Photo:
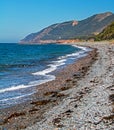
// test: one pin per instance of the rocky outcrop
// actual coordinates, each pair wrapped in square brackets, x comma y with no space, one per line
[74,23]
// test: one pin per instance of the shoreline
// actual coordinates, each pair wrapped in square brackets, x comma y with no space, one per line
[46,97]
[90,104]
[53,69]
[83,99]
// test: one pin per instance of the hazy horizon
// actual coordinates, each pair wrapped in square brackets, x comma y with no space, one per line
[22,17]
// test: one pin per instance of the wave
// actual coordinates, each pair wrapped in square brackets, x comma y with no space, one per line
[76,54]
[52,67]
[46,71]
[45,74]
[31,84]
[14,98]
[80,47]
[62,59]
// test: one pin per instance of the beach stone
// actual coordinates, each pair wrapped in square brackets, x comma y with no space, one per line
[69,111]
[76,106]
[68,80]
[3,128]
[77,75]
[2,121]
[56,129]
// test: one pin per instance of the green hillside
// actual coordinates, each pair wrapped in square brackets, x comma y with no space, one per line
[107,33]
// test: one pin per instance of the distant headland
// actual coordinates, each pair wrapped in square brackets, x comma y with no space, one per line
[73,31]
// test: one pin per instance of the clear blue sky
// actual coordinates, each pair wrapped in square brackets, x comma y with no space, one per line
[18,18]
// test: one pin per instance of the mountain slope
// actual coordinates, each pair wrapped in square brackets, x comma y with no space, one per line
[72,29]
[107,33]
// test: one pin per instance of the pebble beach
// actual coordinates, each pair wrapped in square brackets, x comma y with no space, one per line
[80,98]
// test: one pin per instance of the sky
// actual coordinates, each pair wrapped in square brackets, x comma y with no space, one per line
[18,18]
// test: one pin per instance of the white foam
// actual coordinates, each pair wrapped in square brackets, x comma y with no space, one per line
[46,71]
[71,55]
[39,82]
[31,84]
[13,88]
[52,67]
[61,61]
[83,50]
[14,98]
[80,47]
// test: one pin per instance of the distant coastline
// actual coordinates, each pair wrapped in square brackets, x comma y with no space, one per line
[95,28]
[52,41]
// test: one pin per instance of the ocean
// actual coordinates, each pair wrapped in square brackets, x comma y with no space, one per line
[22,67]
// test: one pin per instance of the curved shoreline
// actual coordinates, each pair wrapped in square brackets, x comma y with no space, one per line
[90,104]
[48,95]
[80,98]
[47,73]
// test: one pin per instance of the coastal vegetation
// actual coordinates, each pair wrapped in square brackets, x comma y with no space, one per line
[106,34]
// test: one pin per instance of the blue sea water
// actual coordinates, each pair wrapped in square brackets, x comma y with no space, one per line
[24,66]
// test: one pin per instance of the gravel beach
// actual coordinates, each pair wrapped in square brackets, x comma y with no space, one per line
[88,106]
[81,97]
